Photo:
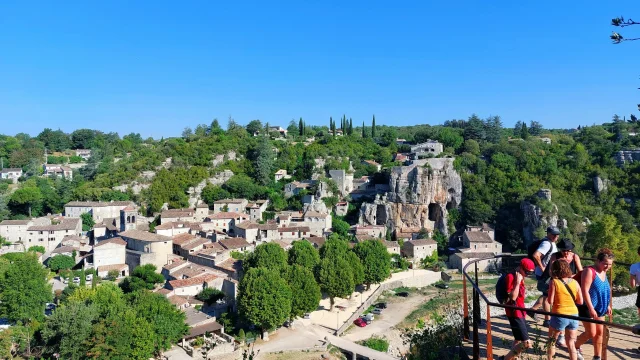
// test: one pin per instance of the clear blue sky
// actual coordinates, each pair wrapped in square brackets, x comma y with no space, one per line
[155,67]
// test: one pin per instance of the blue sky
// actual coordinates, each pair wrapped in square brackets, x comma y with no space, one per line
[156,67]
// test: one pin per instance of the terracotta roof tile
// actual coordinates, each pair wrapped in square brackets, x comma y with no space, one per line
[144,236]
[192,281]
[116,240]
[234,243]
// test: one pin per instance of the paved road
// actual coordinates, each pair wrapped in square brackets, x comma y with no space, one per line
[58,284]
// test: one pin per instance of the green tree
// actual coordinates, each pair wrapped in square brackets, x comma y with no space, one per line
[304,254]
[357,269]
[301,127]
[304,290]
[524,133]
[83,138]
[87,221]
[264,161]
[212,193]
[254,126]
[364,134]
[376,260]
[37,248]
[535,128]
[350,126]
[143,277]
[264,298]
[168,323]
[68,328]
[27,201]
[24,290]
[474,128]
[215,128]
[373,127]
[61,262]
[269,255]
[340,226]
[210,295]
[336,279]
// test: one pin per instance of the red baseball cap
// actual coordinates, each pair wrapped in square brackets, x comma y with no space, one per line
[527,264]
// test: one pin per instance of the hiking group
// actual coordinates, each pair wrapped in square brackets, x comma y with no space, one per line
[567,289]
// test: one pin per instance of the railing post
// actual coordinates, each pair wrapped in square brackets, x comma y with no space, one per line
[476,317]
[489,339]
[465,307]
[611,290]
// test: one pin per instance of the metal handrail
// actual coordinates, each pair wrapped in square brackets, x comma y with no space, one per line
[479,294]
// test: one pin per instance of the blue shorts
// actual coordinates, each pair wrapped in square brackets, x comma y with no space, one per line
[562,324]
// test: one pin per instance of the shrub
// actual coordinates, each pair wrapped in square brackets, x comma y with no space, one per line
[377,343]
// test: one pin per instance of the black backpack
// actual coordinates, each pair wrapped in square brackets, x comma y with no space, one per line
[501,289]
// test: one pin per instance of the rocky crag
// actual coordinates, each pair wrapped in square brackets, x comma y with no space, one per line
[534,217]
[420,196]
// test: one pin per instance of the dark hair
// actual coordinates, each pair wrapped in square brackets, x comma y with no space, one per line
[560,269]
[605,253]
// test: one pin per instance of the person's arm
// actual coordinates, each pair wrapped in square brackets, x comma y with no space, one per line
[513,295]
[579,298]
[552,293]
[578,262]
[632,279]
[538,254]
[587,280]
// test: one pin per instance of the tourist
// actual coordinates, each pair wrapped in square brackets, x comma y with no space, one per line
[635,280]
[597,301]
[564,296]
[565,252]
[516,294]
[542,258]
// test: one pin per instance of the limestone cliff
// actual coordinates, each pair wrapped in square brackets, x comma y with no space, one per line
[535,217]
[419,196]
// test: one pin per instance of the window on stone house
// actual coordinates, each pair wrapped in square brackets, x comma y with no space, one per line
[40,232]
[475,246]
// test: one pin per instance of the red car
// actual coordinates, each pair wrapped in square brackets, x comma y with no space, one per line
[360,322]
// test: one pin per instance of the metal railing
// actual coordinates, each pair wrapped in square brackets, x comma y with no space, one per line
[477,294]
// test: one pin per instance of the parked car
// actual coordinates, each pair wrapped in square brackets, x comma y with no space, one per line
[360,322]
[403,294]
[49,306]
[442,285]
[377,311]
[307,316]
[76,280]
[89,277]
[65,280]
[368,317]
[382,305]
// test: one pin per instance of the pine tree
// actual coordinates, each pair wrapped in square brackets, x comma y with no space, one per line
[373,127]
[524,132]
[301,127]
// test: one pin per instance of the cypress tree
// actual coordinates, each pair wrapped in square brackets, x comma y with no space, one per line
[373,127]
[301,127]
[363,133]
[350,126]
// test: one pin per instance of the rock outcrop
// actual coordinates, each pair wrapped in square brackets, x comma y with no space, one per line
[420,196]
[627,156]
[535,217]
[600,185]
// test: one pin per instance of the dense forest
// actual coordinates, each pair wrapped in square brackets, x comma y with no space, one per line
[500,167]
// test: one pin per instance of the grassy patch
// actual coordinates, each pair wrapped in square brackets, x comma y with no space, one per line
[628,316]
[404,288]
[376,343]
[429,309]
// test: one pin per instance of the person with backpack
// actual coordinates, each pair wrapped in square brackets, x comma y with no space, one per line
[541,256]
[564,298]
[510,290]
[597,301]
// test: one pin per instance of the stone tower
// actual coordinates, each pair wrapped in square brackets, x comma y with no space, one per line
[128,219]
